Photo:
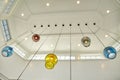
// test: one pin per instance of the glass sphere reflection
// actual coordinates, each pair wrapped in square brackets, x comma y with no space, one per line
[7,51]
[35,37]
[110,52]
[86,41]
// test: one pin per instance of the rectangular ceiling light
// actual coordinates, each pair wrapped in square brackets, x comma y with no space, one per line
[9,6]
[6,31]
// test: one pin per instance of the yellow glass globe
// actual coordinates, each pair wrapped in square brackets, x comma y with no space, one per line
[49,65]
[51,58]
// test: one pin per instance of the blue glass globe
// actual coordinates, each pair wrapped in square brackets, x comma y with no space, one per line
[7,51]
[110,52]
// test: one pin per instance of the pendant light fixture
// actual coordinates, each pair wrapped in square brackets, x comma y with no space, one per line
[7,51]
[86,41]
[50,61]
[110,52]
[36,37]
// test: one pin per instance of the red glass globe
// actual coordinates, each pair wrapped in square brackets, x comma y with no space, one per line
[36,37]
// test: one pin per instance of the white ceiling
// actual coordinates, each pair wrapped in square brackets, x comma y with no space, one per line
[37,13]
[2,5]
[28,13]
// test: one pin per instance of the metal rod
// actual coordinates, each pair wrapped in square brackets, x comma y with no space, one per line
[70,56]
[43,31]
[107,30]
[32,58]
[114,39]
[26,36]
[96,37]
[30,34]
[81,30]
[110,35]
[58,39]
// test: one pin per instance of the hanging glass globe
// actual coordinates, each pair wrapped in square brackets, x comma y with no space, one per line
[36,37]
[7,51]
[86,41]
[50,61]
[110,52]
[49,65]
[51,58]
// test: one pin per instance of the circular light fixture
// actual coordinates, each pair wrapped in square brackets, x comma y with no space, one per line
[110,52]
[26,38]
[106,36]
[22,14]
[86,41]
[50,61]
[78,2]
[47,4]
[7,51]
[36,37]
[108,11]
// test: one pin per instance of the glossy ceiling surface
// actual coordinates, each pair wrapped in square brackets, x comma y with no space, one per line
[61,24]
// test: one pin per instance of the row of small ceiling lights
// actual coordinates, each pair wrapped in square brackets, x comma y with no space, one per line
[78,2]
[64,25]
[48,4]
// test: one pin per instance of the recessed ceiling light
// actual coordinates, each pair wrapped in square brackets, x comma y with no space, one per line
[78,2]
[51,45]
[6,1]
[22,14]
[47,4]
[78,44]
[26,38]
[108,11]
[106,36]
